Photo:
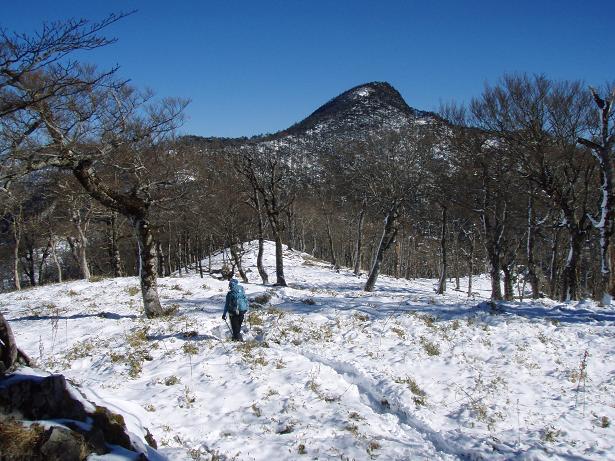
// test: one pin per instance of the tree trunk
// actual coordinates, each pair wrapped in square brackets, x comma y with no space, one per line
[237,259]
[602,153]
[187,253]
[259,261]
[388,237]
[397,260]
[553,265]
[531,264]
[443,266]
[509,294]
[8,347]
[169,264]
[605,226]
[160,257]
[54,254]
[149,266]
[279,261]
[43,262]
[331,246]
[179,255]
[456,267]
[79,246]
[29,268]
[261,240]
[199,257]
[211,248]
[136,209]
[569,290]
[358,254]
[494,272]
[114,251]
[302,241]
[290,214]
[471,265]
[17,239]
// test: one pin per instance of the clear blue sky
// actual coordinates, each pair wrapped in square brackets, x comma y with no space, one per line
[257,66]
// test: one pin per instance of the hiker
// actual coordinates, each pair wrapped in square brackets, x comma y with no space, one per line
[236,305]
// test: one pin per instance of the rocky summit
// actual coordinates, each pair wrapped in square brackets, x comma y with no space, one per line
[355,114]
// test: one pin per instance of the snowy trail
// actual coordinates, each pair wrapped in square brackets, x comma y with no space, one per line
[378,401]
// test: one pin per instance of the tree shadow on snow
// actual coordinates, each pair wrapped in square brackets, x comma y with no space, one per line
[206,305]
[563,313]
[184,335]
[104,315]
[440,311]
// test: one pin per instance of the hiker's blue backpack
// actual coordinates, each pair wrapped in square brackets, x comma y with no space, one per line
[236,299]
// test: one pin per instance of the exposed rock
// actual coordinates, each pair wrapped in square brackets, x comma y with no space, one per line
[149,438]
[112,426]
[36,397]
[64,445]
[85,428]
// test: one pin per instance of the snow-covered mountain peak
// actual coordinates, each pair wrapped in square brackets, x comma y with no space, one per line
[355,114]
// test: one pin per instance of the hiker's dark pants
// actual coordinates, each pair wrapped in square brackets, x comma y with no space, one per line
[236,321]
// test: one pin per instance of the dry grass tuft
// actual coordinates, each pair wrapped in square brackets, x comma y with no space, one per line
[18,441]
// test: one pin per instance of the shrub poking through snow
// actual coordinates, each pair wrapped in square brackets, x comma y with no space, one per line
[138,337]
[582,378]
[361,317]
[190,348]
[279,313]
[419,395]
[133,291]
[286,428]
[398,331]
[82,349]
[171,380]
[353,429]
[170,311]
[96,278]
[430,347]
[372,447]
[261,299]
[256,410]
[429,320]
[251,354]
[550,434]
[255,318]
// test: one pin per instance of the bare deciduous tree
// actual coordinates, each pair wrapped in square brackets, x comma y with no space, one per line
[602,149]
[70,116]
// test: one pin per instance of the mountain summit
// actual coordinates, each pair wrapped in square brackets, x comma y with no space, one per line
[370,106]
[355,114]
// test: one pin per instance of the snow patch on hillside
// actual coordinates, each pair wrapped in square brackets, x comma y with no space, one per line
[363,92]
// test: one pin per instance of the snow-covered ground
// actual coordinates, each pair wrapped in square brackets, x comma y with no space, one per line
[331,372]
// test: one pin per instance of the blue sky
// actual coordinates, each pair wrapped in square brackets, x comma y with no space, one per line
[258,66]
